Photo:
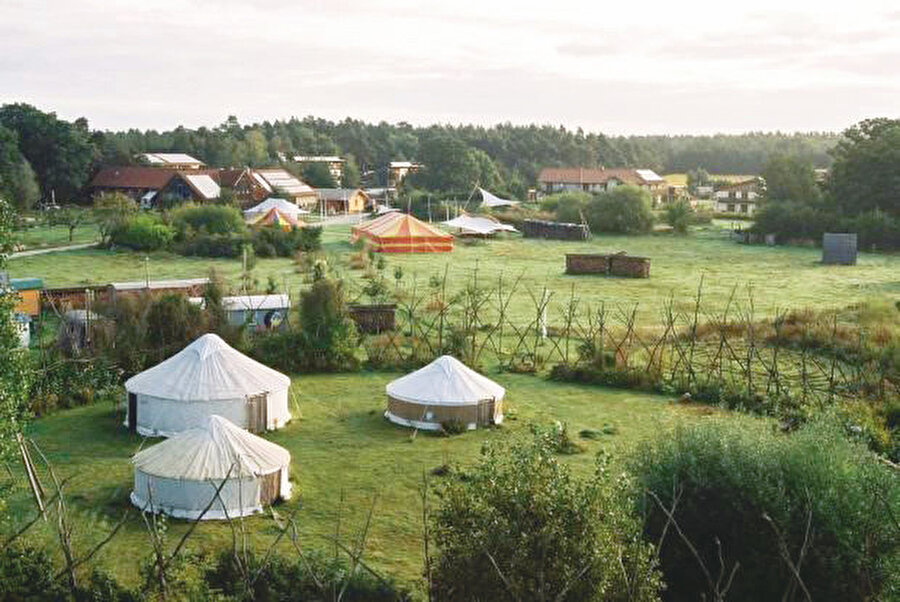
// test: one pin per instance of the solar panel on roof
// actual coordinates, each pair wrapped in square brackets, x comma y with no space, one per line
[205,185]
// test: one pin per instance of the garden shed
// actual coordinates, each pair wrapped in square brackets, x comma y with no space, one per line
[446,390]
[207,377]
[181,475]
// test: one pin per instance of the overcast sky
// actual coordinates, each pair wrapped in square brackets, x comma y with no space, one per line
[616,67]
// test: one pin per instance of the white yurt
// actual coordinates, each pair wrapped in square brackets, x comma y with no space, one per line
[207,377]
[180,476]
[444,390]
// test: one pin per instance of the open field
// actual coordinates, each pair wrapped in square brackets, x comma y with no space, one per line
[779,277]
[680,179]
[41,237]
[341,447]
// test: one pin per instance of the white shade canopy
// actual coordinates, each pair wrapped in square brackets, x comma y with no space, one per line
[491,200]
[282,205]
[445,381]
[207,369]
[209,452]
[478,225]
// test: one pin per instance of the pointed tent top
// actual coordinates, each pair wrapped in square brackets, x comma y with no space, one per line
[490,200]
[207,369]
[210,451]
[445,381]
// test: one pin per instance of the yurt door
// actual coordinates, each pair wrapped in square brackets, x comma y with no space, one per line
[485,411]
[257,416]
[270,487]
[132,412]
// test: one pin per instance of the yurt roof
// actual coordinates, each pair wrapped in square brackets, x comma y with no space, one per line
[282,205]
[207,369]
[210,451]
[445,381]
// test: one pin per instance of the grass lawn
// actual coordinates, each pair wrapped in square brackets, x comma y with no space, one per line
[342,448]
[41,237]
[779,277]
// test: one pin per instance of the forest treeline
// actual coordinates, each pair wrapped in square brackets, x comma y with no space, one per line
[40,152]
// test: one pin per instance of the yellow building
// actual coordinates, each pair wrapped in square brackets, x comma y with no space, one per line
[29,291]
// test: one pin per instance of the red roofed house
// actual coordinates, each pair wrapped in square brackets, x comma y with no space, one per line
[148,185]
[563,179]
[254,185]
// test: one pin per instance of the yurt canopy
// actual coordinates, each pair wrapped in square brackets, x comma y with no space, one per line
[402,233]
[206,377]
[490,200]
[180,476]
[283,205]
[472,224]
[275,217]
[444,390]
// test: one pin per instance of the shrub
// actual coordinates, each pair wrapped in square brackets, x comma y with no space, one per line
[273,241]
[567,206]
[520,512]
[26,574]
[212,245]
[623,210]
[208,219]
[679,215]
[144,232]
[736,486]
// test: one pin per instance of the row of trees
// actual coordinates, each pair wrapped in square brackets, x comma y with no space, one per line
[40,153]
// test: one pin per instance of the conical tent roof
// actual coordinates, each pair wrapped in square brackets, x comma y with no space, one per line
[275,217]
[402,233]
[445,381]
[210,451]
[208,369]
[283,205]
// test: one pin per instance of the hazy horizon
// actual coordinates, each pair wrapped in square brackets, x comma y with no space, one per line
[622,70]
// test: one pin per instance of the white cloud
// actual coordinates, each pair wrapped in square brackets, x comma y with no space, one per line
[623,68]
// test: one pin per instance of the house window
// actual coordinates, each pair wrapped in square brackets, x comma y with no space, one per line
[730,207]
[744,208]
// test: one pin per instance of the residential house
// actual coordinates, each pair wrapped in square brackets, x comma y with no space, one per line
[334,164]
[171,160]
[343,200]
[398,170]
[562,179]
[739,197]
[148,185]
[249,188]
[281,183]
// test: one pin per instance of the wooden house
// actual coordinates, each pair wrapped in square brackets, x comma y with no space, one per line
[336,201]
[565,179]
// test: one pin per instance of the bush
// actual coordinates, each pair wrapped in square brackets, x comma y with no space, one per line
[26,574]
[567,206]
[208,219]
[623,210]
[520,512]
[144,232]
[679,215]
[212,245]
[273,241]
[729,481]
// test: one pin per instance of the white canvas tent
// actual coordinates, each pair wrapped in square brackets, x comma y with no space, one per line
[207,377]
[282,205]
[180,476]
[490,200]
[444,390]
[472,224]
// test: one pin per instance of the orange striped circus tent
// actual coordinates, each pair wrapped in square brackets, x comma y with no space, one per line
[401,233]
[274,217]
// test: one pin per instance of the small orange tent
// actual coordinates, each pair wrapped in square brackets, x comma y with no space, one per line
[401,233]
[274,217]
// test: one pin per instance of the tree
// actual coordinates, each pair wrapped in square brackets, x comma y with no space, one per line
[18,183]
[790,178]
[112,211]
[624,209]
[519,526]
[318,175]
[679,215]
[864,175]
[351,177]
[69,216]
[696,178]
[61,153]
[449,165]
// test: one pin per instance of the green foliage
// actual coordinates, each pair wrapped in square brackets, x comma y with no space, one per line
[754,491]
[271,241]
[59,152]
[866,164]
[449,165]
[189,220]
[173,322]
[624,210]
[112,210]
[26,575]
[318,175]
[568,206]
[18,183]
[144,232]
[790,179]
[519,526]
[696,178]
[679,215]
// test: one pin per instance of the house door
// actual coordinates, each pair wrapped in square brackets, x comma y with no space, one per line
[257,414]
[132,412]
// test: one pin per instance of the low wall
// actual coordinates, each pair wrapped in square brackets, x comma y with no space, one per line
[372,319]
[618,264]
[535,228]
